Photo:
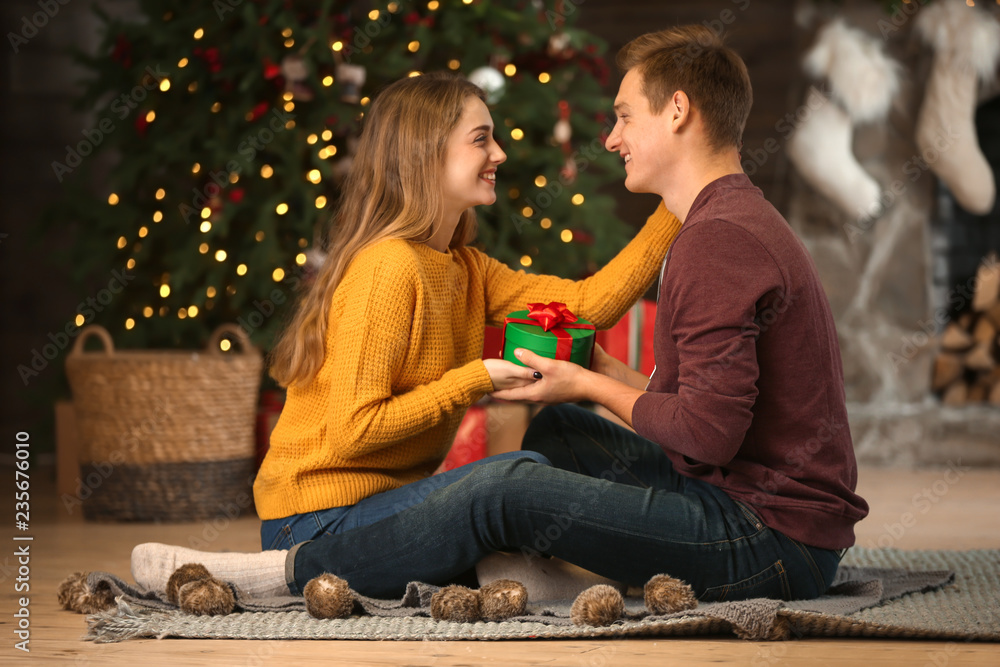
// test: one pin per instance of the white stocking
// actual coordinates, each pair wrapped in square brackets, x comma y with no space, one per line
[862,81]
[966,43]
[821,151]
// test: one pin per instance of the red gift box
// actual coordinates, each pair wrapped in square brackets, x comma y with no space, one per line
[470,441]
[631,340]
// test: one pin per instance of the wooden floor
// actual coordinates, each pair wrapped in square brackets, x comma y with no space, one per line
[910,510]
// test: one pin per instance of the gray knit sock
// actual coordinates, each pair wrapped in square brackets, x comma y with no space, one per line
[259,574]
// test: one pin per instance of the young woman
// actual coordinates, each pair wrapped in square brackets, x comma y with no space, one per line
[383,356]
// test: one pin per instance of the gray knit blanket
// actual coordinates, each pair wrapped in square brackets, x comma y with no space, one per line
[877,592]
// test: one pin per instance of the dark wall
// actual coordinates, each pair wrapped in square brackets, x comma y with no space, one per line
[763,33]
[38,120]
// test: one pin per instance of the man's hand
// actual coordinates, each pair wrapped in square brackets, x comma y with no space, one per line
[566,382]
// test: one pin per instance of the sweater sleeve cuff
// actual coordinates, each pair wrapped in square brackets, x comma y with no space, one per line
[474,379]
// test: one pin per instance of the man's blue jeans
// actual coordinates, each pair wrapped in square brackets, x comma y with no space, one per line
[611,503]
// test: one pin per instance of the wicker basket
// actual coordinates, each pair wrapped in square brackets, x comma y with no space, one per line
[166,435]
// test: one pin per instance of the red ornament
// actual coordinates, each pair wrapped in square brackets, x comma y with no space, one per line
[141,124]
[258,111]
[123,51]
[235,195]
[212,58]
[271,69]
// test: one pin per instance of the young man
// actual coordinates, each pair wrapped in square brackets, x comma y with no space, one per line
[740,475]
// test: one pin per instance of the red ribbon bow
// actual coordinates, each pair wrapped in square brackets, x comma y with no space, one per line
[555,317]
[550,315]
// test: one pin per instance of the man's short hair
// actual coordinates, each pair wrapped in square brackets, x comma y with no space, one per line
[694,59]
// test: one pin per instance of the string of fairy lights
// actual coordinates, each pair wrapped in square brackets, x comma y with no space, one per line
[327,150]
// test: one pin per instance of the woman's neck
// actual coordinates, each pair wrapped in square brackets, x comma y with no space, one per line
[444,231]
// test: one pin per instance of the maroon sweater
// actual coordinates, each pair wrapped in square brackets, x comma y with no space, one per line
[748,391]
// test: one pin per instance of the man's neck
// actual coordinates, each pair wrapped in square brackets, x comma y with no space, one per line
[692,177]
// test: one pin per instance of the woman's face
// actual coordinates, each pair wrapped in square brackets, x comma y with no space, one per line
[471,160]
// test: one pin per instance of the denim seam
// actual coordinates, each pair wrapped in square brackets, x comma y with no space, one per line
[282,537]
[820,583]
[319,524]
[750,516]
[607,453]
[655,538]
[779,572]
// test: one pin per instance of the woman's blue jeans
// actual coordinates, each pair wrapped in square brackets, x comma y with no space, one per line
[611,502]
[289,531]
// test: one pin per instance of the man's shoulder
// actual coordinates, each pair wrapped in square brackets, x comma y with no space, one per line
[740,213]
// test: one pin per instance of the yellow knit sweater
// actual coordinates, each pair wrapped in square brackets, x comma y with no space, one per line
[403,365]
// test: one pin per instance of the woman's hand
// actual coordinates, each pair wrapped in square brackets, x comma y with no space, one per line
[558,382]
[507,375]
[605,364]
[565,382]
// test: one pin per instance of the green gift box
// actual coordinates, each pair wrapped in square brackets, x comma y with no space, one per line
[549,330]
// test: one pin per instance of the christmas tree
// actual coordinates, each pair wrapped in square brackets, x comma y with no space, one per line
[233,122]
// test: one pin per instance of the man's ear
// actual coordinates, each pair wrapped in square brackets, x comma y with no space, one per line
[679,108]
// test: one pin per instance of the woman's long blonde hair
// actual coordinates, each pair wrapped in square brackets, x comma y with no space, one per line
[393,190]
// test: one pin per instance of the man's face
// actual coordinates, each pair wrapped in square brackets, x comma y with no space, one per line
[642,139]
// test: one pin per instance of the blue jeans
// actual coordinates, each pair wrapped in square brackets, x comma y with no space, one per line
[289,531]
[611,503]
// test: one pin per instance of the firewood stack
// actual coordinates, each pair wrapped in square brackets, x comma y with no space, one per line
[967,369]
